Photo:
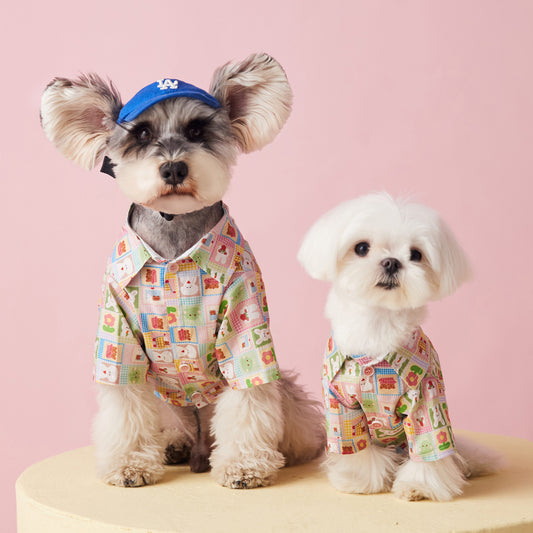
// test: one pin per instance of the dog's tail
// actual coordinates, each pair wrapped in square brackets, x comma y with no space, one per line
[476,459]
[304,434]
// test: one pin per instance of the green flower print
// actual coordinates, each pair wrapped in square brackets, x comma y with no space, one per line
[442,439]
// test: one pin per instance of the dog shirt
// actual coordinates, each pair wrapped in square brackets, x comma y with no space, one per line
[399,401]
[192,326]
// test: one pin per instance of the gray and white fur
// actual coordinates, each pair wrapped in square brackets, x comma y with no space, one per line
[174,162]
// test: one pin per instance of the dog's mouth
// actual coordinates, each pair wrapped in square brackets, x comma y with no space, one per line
[388,285]
[176,200]
[180,190]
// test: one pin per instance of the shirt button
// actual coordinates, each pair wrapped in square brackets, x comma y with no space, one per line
[173,267]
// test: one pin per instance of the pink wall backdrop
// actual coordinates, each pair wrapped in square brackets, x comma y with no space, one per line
[428,99]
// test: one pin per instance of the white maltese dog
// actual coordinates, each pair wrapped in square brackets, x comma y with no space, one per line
[383,387]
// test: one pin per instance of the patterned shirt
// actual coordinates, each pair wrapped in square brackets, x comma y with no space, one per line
[191,326]
[399,401]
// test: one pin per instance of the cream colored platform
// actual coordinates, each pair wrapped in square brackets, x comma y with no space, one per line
[61,494]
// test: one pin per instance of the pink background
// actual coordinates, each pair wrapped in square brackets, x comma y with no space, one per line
[430,99]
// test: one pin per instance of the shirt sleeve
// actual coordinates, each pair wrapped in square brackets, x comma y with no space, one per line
[244,347]
[426,423]
[119,357]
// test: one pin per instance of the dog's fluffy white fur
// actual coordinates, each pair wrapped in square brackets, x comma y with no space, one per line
[256,431]
[373,312]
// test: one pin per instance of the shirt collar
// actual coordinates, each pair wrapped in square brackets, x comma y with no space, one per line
[411,360]
[219,252]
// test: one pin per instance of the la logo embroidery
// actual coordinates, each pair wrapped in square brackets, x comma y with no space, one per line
[167,84]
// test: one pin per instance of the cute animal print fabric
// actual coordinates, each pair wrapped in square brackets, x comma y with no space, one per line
[399,401]
[193,326]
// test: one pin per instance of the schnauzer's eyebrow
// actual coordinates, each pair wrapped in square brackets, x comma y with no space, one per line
[127,126]
[204,120]
[130,126]
[212,116]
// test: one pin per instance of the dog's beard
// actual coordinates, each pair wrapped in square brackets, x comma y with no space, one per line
[389,291]
[375,288]
[388,283]
[206,183]
[187,188]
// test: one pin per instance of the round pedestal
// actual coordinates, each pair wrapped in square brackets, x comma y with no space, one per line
[62,494]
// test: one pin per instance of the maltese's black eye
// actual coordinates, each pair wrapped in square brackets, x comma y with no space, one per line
[195,131]
[416,255]
[143,134]
[362,248]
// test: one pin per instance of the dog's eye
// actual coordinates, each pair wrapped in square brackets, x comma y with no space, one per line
[362,248]
[195,131]
[416,255]
[143,134]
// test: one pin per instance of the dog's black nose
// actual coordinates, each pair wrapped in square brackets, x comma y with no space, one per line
[391,265]
[174,173]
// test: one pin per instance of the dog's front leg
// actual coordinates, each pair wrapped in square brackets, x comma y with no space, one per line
[247,428]
[130,448]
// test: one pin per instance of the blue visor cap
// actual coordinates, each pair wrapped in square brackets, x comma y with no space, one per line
[161,90]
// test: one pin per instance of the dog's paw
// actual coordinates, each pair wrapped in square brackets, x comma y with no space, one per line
[414,492]
[410,494]
[440,480]
[249,472]
[367,472]
[239,478]
[132,476]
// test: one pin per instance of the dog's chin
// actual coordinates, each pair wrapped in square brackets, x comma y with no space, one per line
[365,287]
[388,296]
[177,203]
[395,296]
[183,198]
[391,295]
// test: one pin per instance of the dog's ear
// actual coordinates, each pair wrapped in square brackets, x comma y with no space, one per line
[323,245]
[451,266]
[257,96]
[79,115]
